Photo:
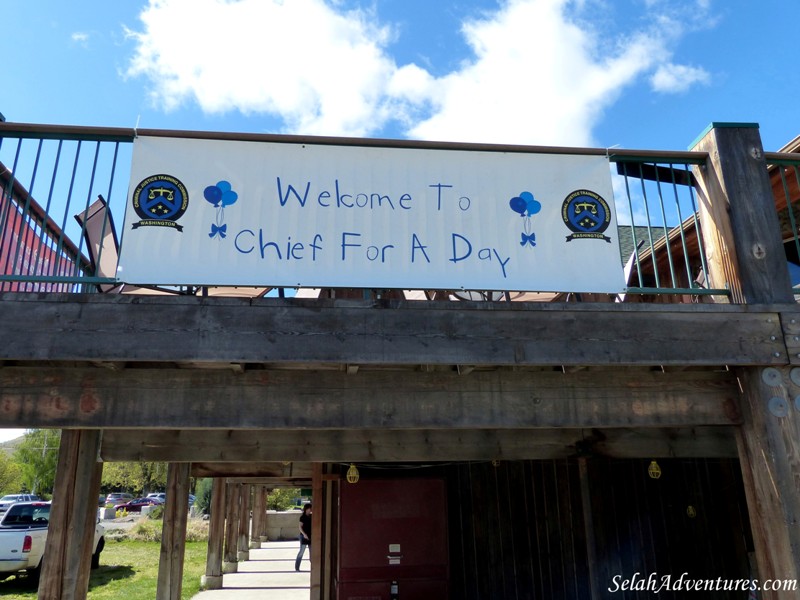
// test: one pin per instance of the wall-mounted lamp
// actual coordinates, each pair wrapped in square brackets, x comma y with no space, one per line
[352,473]
[654,470]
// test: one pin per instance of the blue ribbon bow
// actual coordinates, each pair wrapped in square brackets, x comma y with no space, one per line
[528,239]
[218,230]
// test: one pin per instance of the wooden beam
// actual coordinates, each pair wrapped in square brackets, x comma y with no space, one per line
[259,514]
[252,470]
[177,398]
[738,217]
[116,327]
[317,527]
[212,580]
[389,445]
[272,481]
[243,541]
[262,530]
[329,541]
[70,538]
[173,533]
[230,563]
[769,446]
[744,240]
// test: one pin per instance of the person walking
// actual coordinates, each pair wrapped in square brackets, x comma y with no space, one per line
[305,535]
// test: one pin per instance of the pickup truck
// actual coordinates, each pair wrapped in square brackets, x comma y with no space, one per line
[23,531]
[10,499]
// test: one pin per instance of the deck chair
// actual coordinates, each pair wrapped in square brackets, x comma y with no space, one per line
[97,227]
[628,270]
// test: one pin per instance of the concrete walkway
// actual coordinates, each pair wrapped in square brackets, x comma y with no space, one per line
[268,575]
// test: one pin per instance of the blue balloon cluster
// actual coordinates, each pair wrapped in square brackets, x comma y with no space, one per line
[525,204]
[220,194]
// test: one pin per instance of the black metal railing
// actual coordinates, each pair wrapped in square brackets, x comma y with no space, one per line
[54,178]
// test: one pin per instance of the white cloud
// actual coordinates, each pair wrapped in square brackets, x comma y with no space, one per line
[81,38]
[537,75]
[535,79]
[323,72]
[671,78]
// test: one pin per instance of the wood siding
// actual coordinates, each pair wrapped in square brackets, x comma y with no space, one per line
[516,530]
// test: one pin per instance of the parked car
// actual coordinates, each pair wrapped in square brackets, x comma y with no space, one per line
[163,497]
[23,531]
[118,497]
[10,499]
[136,504]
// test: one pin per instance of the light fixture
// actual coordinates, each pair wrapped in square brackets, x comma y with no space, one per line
[691,512]
[352,473]
[654,470]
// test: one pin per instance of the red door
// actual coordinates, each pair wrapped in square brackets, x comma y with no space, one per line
[393,530]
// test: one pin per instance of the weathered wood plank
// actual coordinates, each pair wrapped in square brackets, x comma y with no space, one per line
[791,334]
[387,445]
[68,548]
[250,470]
[243,540]
[769,452]
[735,182]
[230,563]
[259,514]
[317,528]
[273,330]
[173,533]
[273,482]
[737,212]
[175,398]
[212,580]
[262,530]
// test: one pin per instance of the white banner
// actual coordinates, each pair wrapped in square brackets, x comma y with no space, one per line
[212,212]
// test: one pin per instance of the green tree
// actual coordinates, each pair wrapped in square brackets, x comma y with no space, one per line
[282,498]
[10,475]
[203,495]
[37,457]
[136,477]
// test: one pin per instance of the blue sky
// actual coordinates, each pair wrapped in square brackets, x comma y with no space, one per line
[646,74]
[633,73]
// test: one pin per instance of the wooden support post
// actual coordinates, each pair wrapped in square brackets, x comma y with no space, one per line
[173,533]
[769,444]
[230,563]
[243,544]
[265,523]
[265,533]
[259,512]
[212,580]
[328,538]
[70,537]
[742,234]
[262,530]
[738,218]
[317,524]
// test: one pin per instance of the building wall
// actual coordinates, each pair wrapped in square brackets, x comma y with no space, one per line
[517,530]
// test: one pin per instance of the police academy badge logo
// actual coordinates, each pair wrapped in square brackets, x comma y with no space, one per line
[587,215]
[160,200]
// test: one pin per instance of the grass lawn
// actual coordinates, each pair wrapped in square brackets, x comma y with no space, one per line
[129,570]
